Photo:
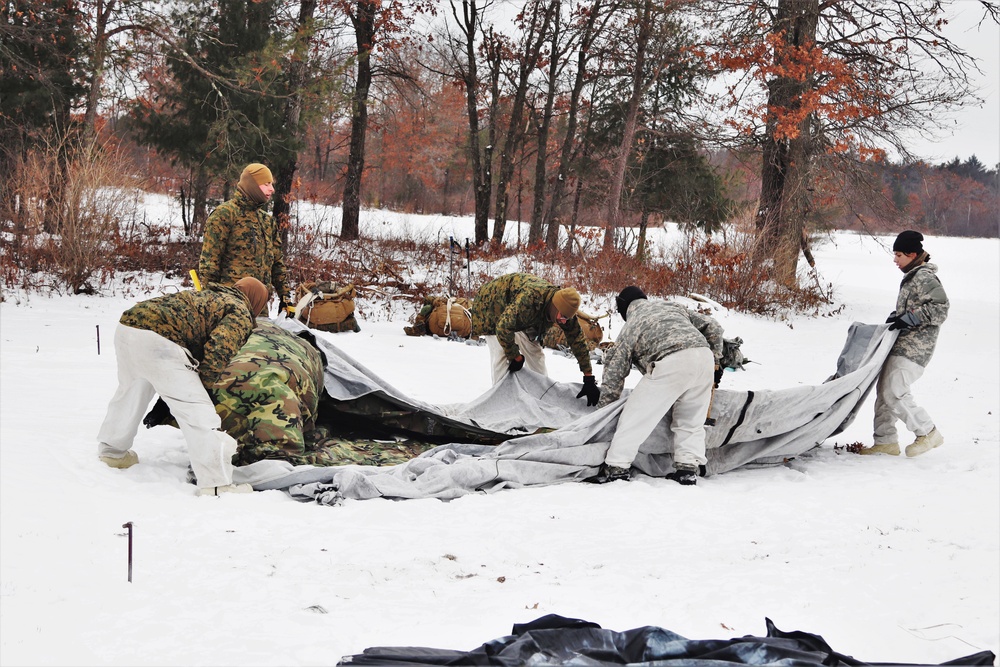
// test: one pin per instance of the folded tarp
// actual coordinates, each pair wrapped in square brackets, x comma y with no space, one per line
[554,640]
[751,428]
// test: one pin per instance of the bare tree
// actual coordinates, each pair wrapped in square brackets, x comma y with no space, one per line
[535,28]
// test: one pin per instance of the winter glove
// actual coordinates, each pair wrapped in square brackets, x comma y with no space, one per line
[904,321]
[590,390]
[157,415]
[516,364]
[718,376]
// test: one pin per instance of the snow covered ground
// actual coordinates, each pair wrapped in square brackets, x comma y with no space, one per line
[889,559]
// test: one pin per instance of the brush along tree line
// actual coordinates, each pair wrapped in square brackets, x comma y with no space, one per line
[607,114]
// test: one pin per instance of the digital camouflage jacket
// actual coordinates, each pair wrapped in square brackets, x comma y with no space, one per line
[921,293]
[520,302]
[212,324]
[242,239]
[655,329]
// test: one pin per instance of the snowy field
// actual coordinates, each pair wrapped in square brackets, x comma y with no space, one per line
[889,559]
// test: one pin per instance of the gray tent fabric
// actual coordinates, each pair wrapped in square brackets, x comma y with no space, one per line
[752,428]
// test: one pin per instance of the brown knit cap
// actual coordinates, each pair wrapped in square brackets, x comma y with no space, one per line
[566,301]
[258,172]
[255,292]
[254,176]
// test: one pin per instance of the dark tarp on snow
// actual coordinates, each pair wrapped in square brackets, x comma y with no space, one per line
[554,640]
[752,428]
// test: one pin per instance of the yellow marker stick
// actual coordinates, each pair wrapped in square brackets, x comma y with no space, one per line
[194,279]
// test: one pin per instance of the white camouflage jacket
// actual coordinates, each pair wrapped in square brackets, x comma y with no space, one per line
[655,329]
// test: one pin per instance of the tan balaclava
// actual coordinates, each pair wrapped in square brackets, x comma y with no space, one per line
[566,301]
[254,176]
[255,292]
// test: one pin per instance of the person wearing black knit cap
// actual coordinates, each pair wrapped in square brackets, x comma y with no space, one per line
[676,350]
[921,309]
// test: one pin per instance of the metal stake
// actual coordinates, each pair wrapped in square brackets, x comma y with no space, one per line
[98,340]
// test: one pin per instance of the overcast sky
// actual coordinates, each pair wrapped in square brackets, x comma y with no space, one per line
[977,128]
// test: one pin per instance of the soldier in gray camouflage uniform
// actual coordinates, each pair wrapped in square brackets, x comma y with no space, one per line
[676,350]
[921,309]
[243,239]
[173,346]
[514,311]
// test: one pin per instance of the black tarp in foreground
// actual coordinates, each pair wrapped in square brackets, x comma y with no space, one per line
[555,640]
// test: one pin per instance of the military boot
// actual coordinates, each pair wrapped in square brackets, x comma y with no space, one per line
[925,443]
[890,448]
[684,474]
[611,474]
[127,461]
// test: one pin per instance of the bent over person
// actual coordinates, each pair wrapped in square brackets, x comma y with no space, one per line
[243,239]
[173,346]
[921,309]
[514,311]
[678,351]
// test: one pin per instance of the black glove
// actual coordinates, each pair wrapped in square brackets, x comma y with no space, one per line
[590,390]
[516,364]
[157,415]
[905,321]
[718,376]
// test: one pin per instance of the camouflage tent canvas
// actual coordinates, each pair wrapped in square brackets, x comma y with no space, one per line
[271,398]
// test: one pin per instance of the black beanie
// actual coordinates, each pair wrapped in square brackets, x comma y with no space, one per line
[627,296]
[908,242]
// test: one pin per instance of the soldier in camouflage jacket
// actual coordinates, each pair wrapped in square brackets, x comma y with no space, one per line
[243,239]
[921,309]
[514,311]
[173,346]
[676,350]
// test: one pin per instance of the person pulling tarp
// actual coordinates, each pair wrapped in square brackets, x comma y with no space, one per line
[678,352]
[514,311]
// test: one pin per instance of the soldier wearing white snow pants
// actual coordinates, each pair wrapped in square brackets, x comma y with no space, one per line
[171,346]
[921,308]
[677,350]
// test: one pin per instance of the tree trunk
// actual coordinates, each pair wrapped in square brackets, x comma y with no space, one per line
[640,248]
[535,38]
[479,159]
[199,200]
[364,29]
[285,170]
[787,156]
[89,129]
[538,202]
[552,217]
[631,122]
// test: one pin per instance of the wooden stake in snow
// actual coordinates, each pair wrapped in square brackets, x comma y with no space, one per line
[98,340]
[129,526]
